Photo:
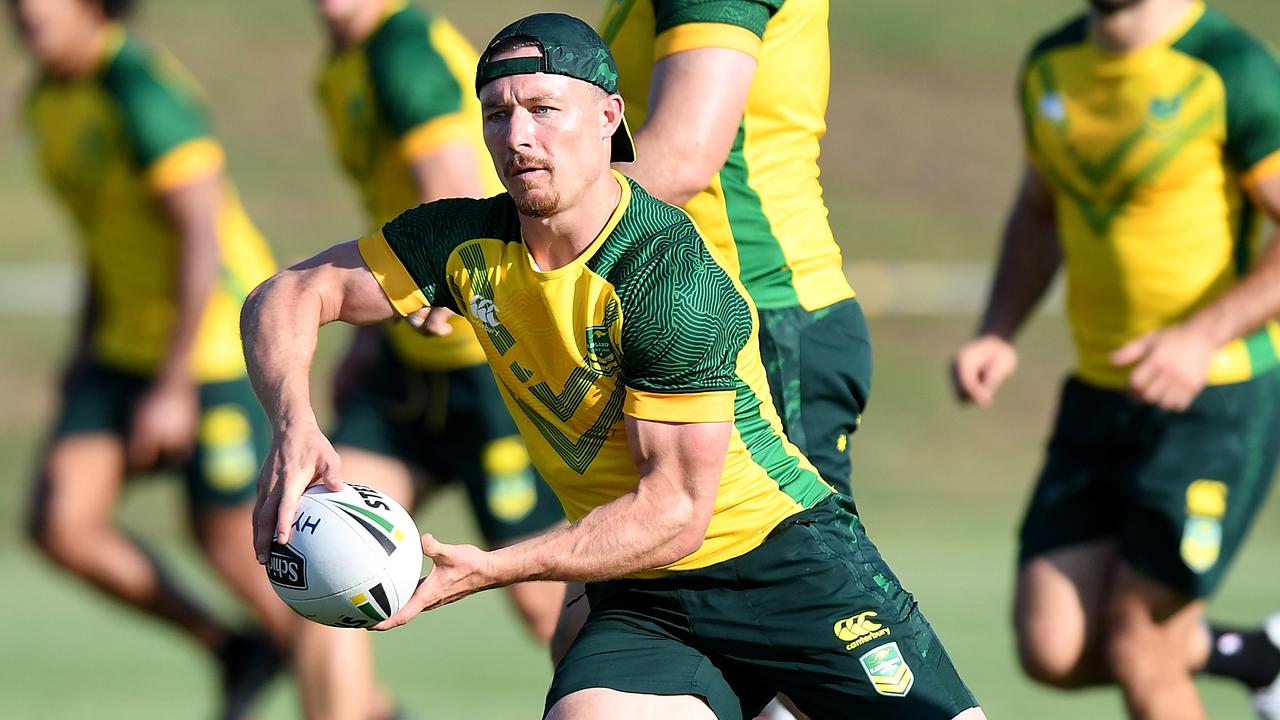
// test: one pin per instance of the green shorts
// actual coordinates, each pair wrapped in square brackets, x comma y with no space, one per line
[1176,491]
[231,441]
[454,426]
[814,612]
[819,369]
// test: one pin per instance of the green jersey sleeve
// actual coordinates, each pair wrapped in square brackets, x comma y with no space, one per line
[423,238]
[159,108]
[752,15]
[683,320]
[411,80]
[1251,78]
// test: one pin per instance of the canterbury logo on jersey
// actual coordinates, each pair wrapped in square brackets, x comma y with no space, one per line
[484,310]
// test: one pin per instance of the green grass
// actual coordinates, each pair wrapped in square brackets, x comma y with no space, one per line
[919,162]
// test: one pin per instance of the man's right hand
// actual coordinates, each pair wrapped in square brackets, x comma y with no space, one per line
[300,456]
[980,366]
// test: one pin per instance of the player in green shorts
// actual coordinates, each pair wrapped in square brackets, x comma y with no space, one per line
[156,379]
[416,411]
[1153,139]
[721,568]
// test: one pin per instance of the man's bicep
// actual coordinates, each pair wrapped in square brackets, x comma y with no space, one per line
[699,96]
[687,456]
[348,289]
[1266,193]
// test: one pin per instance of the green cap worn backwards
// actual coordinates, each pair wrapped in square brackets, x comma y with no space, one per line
[568,47]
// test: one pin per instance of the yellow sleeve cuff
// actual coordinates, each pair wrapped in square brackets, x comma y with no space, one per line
[692,36]
[679,407]
[396,282]
[434,134]
[1265,169]
[190,160]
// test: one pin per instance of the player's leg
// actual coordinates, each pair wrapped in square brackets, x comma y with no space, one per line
[594,703]
[1197,494]
[479,444]
[1150,632]
[231,440]
[72,515]
[335,666]
[819,369]
[1067,545]
[1059,610]
[635,658]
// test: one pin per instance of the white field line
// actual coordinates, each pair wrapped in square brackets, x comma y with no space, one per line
[884,288]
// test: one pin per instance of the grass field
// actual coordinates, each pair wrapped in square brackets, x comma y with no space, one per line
[918,165]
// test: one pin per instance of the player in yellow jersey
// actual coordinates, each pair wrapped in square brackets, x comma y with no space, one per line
[407,131]
[1153,134]
[720,567]
[156,377]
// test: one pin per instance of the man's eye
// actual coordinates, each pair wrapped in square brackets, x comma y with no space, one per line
[541,109]
[495,115]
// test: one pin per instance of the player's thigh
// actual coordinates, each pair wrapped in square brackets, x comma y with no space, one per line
[1151,627]
[232,438]
[83,468]
[595,703]
[1200,489]
[831,626]
[78,484]
[637,641]
[1060,607]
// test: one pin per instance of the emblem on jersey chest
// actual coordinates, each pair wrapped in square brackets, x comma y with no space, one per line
[600,355]
[484,310]
[1052,108]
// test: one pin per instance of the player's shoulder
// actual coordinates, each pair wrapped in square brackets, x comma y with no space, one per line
[1234,53]
[457,220]
[1071,33]
[749,14]
[138,71]
[409,24]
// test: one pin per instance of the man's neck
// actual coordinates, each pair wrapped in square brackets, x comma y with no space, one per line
[85,58]
[1138,26]
[558,240]
[357,28]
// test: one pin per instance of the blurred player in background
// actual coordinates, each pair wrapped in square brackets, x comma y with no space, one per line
[1153,133]
[156,378]
[396,93]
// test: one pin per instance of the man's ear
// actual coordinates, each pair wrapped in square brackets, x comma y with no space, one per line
[612,111]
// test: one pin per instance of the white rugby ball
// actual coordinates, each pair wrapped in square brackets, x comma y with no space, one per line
[353,557]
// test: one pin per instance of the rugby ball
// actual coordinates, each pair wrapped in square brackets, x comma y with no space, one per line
[352,560]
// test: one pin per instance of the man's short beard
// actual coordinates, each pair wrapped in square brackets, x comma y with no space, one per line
[1108,7]
[543,205]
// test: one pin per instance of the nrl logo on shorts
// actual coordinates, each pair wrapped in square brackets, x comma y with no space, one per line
[887,671]
[600,355]
[860,629]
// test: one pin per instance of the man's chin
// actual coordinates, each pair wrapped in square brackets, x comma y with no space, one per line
[537,204]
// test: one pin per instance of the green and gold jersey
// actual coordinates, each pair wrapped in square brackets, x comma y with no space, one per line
[646,322]
[402,94]
[1150,155]
[109,144]
[764,210]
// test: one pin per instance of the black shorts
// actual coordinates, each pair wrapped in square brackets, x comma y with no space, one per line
[1176,491]
[813,612]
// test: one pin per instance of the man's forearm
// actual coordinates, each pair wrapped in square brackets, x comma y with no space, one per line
[1245,307]
[636,532]
[1029,258]
[278,326]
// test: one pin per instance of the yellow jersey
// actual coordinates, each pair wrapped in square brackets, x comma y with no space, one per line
[400,94]
[1149,155]
[763,210]
[646,322]
[109,143]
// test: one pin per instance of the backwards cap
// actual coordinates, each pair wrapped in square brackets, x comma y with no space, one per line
[568,47]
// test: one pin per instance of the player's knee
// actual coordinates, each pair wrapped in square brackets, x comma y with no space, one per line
[1049,657]
[1131,658]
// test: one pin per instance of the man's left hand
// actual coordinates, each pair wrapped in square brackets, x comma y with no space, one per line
[1169,366]
[458,571]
